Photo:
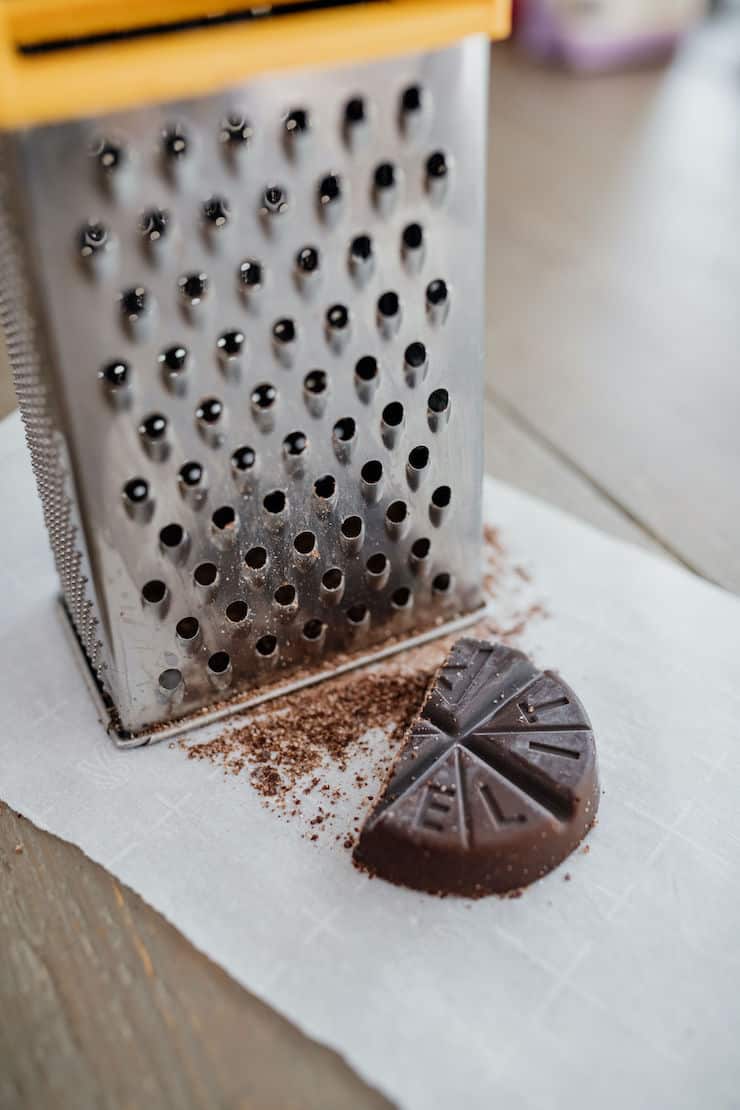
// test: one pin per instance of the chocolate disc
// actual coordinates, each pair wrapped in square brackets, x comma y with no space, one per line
[495,785]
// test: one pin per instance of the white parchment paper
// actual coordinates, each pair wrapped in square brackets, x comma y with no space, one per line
[619,988]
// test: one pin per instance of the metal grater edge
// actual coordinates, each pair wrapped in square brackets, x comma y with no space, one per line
[19,322]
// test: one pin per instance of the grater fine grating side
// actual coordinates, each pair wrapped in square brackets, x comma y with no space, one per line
[23,336]
[247,337]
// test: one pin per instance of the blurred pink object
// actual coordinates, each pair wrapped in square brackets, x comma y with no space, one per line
[594,35]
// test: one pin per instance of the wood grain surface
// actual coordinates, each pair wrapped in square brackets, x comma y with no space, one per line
[614,393]
[103,1004]
[614,254]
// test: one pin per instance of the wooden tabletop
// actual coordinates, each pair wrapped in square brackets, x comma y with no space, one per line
[614,393]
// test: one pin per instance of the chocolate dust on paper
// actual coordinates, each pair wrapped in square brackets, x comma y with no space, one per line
[318,755]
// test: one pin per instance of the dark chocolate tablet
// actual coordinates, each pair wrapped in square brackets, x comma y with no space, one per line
[495,785]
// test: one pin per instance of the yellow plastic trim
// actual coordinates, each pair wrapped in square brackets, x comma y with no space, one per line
[93,79]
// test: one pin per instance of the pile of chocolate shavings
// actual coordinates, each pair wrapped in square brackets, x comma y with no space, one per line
[284,747]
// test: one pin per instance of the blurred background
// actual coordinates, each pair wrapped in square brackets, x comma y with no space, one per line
[614,270]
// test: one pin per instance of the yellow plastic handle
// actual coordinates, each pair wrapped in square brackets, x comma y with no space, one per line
[89,67]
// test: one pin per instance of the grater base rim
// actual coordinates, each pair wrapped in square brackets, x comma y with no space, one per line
[250,698]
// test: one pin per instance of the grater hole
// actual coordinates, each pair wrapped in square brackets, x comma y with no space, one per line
[393,414]
[172,536]
[372,472]
[442,583]
[205,574]
[92,239]
[332,579]
[420,548]
[274,200]
[174,359]
[284,331]
[250,273]
[389,305]
[367,369]
[256,558]
[191,474]
[385,176]
[330,190]
[170,680]
[219,662]
[264,396]
[316,382]
[356,614]
[175,143]
[361,248]
[397,512]
[305,543]
[412,99]
[437,293]
[437,165]
[188,628]
[355,111]
[439,401]
[297,122]
[136,491]
[419,458]
[345,429]
[216,211]
[352,527]
[401,598]
[154,592]
[154,225]
[295,444]
[308,260]
[153,434]
[285,595]
[441,497]
[266,646]
[235,131]
[413,237]
[377,563]
[230,343]
[224,518]
[237,612]
[244,458]
[110,156]
[115,374]
[325,487]
[134,303]
[313,629]
[337,318]
[210,410]
[275,501]
[193,287]
[415,355]
[153,427]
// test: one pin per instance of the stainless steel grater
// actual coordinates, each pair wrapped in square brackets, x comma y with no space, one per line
[247,333]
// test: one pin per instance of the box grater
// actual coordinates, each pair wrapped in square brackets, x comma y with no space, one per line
[242,292]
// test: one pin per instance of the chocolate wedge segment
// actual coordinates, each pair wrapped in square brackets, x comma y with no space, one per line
[495,785]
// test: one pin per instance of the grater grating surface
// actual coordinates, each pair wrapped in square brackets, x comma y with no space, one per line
[292,464]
